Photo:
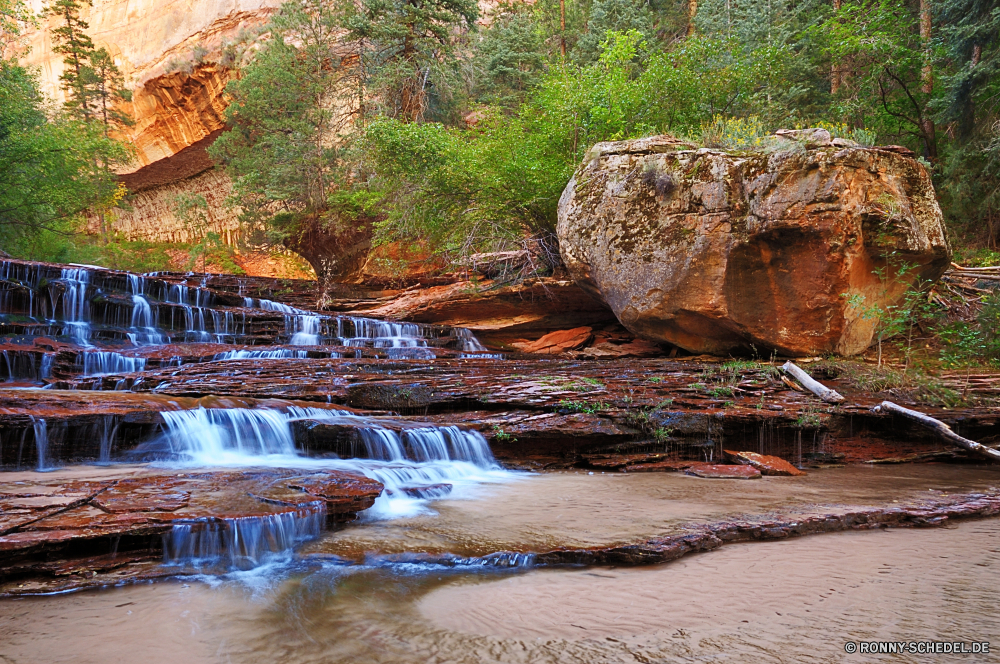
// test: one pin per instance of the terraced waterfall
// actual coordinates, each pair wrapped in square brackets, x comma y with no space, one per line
[323,485]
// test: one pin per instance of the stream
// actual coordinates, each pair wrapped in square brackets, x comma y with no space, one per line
[791,601]
[191,471]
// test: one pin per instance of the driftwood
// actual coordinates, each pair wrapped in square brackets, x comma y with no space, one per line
[817,388]
[941,429]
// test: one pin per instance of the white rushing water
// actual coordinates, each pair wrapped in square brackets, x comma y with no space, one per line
[144,328]
[402,461]
[274,354]
[75,308]
[98,363]
[242,542]
[414,465]
[41,431]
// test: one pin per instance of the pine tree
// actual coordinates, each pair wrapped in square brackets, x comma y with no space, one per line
[404,40]
[971,36]
[77,48]
[108,89]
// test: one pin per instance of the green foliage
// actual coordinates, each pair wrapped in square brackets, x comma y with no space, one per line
[14,16]
[407,49]
[466,191]
[877,44]
[287,162]
[901,317]
[510,57]
[50,168]
[613,16]
[589,407]
[736,133]
[488,187]
[968,344]
[72,42]
[107,91]
[501,436]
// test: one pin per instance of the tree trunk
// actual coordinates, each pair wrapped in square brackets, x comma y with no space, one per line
[814,386]
[692,13]
[835,67]
[562,26]
[941,429]
[927,78]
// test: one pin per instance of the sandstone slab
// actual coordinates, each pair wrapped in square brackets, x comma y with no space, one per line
[558,341]
[766,464]
[720,252]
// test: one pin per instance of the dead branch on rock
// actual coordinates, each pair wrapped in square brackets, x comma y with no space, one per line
[814,386]
[941,429]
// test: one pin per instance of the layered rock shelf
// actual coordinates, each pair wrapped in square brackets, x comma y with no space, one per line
[64,532]
[278,421]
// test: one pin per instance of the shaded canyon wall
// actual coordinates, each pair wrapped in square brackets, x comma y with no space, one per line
[169,53]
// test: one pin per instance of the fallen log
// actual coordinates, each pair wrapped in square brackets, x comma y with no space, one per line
[941,429]
[814,386]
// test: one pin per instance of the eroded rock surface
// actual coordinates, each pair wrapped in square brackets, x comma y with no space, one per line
[719,252]
[765,463]
[71,530]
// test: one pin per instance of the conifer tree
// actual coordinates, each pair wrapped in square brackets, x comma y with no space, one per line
[75,45]
[406,40]
[108,89]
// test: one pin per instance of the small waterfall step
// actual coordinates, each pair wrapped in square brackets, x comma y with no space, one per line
[103,310]
[213,520]
[390,439]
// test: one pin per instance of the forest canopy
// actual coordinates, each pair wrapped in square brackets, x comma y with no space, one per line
[427,122]
[436,125]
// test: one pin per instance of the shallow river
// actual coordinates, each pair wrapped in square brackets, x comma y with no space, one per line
[791,601]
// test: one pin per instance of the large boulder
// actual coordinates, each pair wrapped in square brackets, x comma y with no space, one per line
[721,252]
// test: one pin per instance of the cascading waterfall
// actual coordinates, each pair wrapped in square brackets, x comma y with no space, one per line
[220,434]
[41,443]
[468,340]
[419,457]
[23,365]
[415,457]
[427,444]
[160,309]
[144,329]
[75,307]
[307,329]
[276,354]
[105,431]
[302,327]
[242,542]
[382,334]
[98,363]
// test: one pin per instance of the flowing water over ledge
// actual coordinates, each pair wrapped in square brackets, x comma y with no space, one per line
[246,500]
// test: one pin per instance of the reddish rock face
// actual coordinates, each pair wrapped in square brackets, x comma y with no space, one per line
[48,527]
[634,348]
[499,315]
[720,253]
[723,472]
[767,465]
[558,342]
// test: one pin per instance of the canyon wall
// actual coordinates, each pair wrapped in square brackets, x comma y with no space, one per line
[170,54]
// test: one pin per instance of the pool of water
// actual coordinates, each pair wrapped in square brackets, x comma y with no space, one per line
[540,512]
